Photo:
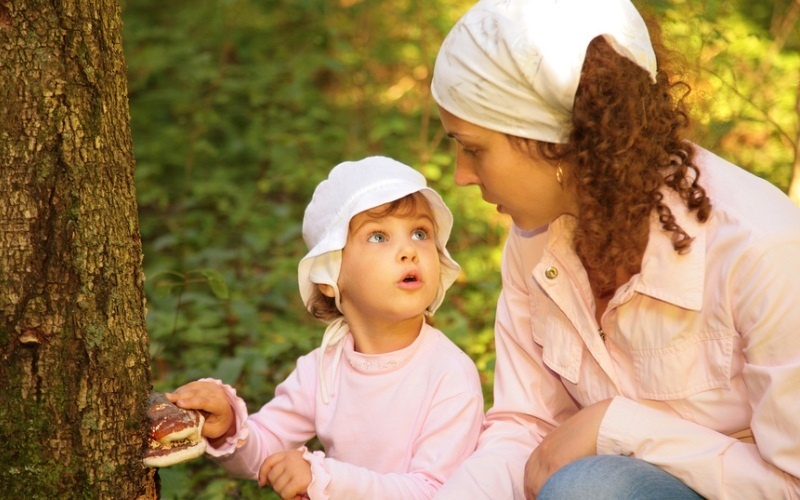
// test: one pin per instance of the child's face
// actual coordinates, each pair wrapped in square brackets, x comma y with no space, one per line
[390,266]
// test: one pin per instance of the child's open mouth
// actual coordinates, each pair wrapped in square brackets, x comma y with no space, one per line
[411,281]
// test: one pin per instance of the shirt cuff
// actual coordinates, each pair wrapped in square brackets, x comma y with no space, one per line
[320,477]
[232,443]
[617,427]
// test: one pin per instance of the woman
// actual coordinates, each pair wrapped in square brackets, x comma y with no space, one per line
[648,330]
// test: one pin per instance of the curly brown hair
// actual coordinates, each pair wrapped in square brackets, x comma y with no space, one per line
[323,307]
[627,142]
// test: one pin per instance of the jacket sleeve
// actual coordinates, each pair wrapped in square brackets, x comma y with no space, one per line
[285,423]
[449,435]
[764,302]
[529,400]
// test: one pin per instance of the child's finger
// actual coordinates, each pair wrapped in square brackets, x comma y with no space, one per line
[200,396]
[279,481]
[188,392]
[266,468]
[290,488]
[209,398]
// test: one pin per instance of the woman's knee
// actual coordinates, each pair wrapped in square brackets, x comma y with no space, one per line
[614,477]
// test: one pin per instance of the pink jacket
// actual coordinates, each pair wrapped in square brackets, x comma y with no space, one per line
[397,424]
[714,333]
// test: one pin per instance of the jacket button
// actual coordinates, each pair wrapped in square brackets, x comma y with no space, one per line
[551,273]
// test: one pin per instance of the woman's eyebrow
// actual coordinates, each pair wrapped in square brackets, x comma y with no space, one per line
[462,136]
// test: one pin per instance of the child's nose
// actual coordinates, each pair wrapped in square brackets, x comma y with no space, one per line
[408,252]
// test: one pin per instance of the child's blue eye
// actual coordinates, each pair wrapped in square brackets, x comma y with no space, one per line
[420,234]
[376,238]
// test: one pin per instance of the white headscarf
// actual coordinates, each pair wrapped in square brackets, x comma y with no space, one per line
[351,188]
[513,66]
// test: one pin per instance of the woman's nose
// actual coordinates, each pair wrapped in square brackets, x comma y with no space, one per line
[464,174]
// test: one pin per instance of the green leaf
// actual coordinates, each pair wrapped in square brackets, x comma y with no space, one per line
[229,370]
[217,283]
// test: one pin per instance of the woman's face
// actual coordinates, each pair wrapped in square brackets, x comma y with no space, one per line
[520,183]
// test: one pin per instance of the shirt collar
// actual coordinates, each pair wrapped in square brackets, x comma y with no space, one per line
[665,275]
[381,363]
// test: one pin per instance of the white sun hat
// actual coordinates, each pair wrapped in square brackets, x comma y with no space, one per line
[513,66]
[353,187]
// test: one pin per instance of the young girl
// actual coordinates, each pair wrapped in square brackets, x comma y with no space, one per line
[396,405]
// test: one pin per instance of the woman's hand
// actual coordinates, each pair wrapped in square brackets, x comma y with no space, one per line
[574,439]
[209,398]
[287,472]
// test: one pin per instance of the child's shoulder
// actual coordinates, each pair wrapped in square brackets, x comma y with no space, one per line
[440,337]
[309,362]
[448,355]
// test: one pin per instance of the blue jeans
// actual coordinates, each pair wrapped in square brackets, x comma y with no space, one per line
[614,477]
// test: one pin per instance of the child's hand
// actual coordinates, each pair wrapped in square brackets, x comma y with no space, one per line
[209,398]
[287,472]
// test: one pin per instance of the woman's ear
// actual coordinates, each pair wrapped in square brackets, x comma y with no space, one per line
[326,290]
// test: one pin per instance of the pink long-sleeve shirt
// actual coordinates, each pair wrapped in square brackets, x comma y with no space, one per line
[713,333]
[397,424]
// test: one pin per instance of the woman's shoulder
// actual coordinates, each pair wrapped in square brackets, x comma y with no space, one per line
[739,196]
[751,220]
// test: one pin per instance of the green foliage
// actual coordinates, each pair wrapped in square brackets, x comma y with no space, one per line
[745,80]
[240,107]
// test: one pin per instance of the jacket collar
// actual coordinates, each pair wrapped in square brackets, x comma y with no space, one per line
[665,275]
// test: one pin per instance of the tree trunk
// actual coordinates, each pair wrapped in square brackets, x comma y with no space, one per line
[74,362]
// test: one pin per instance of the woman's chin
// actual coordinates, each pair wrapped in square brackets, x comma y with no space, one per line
[527,224]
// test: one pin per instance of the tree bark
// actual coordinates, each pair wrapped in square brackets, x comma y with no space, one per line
[74,362]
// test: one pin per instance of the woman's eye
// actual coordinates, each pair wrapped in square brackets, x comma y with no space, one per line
[468,151]
[460,145]
[376,238]
[420,234]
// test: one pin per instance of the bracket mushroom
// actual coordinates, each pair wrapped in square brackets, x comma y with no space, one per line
[175,434]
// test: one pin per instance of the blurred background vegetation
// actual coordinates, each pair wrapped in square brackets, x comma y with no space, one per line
[240,107]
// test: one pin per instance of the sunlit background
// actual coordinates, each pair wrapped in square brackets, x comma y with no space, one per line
[240,107]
